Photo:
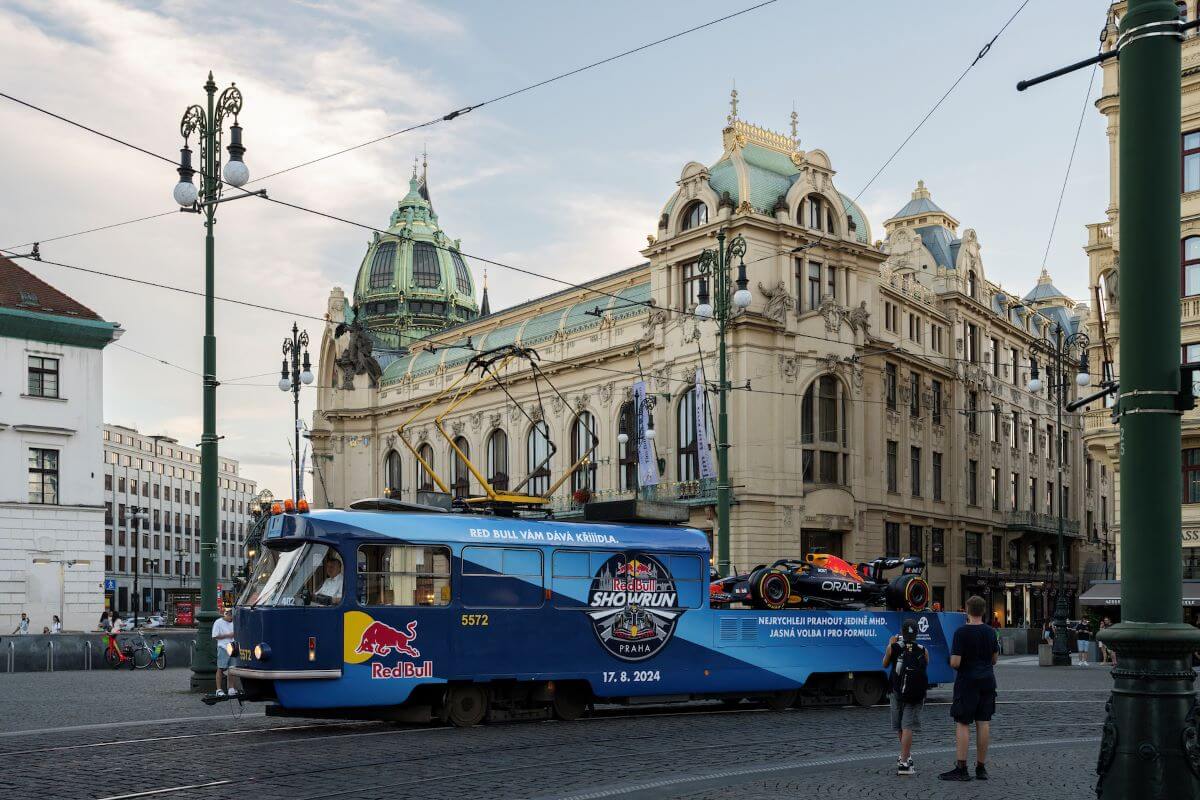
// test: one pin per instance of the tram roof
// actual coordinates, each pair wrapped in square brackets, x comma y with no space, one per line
[487,529]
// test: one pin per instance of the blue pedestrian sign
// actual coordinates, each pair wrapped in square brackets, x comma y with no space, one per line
[110,584]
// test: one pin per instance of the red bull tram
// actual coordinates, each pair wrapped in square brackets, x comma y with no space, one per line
[490,608]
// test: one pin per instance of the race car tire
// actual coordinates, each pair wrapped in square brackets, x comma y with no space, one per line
[868,689]
[770,588]
[466,706]
[908,593]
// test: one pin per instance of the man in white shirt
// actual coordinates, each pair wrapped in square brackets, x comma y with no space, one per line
[222,634]
[330,592]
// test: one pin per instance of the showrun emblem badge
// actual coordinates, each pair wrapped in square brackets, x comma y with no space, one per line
[634,606]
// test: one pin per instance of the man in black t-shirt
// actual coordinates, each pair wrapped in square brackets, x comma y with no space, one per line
[973,653]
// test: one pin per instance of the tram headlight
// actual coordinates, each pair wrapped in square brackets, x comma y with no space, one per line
[262,652]
[231,649]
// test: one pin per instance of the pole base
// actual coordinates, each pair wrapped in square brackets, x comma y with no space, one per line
[1151,739]
[1061,660]
[202,683]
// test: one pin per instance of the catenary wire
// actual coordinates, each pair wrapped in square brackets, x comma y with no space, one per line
[428,123]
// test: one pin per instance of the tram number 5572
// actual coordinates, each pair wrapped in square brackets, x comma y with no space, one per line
[475,620]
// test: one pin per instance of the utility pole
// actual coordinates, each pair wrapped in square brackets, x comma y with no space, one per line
[1150,746]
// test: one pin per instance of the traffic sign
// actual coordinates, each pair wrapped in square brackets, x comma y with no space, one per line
[110,584]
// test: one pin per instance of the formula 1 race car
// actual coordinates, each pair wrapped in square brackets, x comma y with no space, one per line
[826,581]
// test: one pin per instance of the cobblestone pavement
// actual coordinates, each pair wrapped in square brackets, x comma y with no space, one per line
[107,735]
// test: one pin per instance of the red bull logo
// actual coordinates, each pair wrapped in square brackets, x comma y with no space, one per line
[635,576]
[380,639]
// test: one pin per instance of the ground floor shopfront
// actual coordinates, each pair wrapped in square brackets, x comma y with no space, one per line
[1104,598]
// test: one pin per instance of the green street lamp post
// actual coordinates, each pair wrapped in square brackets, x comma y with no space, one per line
[291,378]
[716,263]
[208,124]
[1151,738]
[1068,351]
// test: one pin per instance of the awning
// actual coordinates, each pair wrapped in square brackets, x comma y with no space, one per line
[1108,593]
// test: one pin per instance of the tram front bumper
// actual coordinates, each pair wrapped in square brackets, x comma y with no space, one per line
[252,673]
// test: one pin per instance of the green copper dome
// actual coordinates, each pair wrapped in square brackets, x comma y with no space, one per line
[413,281]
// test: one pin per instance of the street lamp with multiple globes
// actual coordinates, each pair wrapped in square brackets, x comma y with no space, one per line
[1069,351]
[716,263]
[208,122]
[294,374]
[136,517]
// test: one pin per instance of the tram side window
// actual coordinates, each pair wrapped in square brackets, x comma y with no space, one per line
[689,580]
[575,572]
[403,575]
[501,577]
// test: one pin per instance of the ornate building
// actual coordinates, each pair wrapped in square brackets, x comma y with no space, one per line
[1104,256]
[878,404]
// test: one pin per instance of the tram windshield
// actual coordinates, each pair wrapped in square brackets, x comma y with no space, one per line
[310,575]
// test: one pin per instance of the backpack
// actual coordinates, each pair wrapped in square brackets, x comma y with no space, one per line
[910,680]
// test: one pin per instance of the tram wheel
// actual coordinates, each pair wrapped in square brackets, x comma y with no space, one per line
[867,690]
[781,701]
[569,702]
[731,702]
[466,705]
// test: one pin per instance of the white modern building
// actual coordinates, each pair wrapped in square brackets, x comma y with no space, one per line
[159,474]
[51,457]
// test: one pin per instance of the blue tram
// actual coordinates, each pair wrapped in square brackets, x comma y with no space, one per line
[409,613]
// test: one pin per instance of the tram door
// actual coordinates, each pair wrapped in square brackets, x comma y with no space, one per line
[403,593]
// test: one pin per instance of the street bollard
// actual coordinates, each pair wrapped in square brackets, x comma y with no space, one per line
[50,656]
[12,656]
[87,654]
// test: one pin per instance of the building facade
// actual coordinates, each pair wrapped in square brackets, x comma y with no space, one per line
[158,474]
[878,402]
[1104,253]
[51,457]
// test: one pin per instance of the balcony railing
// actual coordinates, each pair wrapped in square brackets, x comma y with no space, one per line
[1099,233]
[690,493]
[1039,523]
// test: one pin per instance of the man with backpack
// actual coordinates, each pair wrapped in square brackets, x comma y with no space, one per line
[909,664]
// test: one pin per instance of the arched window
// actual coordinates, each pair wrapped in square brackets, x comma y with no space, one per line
[537,459]
[816,213]
[583,440]
[427,274]
[627,453]
[823,432]
[462,275]
[694,216]
[462,476]
[687,456]
[383,265]
[1190,279]
[391,475]
[424,477]
[972,284]
[497,460]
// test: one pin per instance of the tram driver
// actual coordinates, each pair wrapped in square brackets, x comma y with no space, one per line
[329,593]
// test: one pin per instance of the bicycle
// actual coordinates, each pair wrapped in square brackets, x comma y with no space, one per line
[136,653]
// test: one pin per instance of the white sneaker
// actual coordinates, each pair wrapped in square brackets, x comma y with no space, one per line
[220,692]
[233,692]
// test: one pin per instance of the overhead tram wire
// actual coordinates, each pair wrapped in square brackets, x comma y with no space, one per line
[447,117]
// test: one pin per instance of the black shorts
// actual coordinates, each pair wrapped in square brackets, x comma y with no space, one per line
[974,701]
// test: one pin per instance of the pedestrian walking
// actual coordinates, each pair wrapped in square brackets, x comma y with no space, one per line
[222,634]
[1083,640]
[973,653]
[56,625]
[909,664]
[1107,654]
[22,625]
[105,621]
[1048,632]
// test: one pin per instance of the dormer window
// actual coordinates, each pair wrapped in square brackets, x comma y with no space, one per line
[972,285]
[694,216]
[815,213]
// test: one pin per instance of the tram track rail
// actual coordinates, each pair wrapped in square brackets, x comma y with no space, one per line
[872,739]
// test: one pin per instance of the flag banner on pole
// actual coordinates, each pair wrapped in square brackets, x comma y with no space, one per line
[303,460]
[647,463]
[703,453]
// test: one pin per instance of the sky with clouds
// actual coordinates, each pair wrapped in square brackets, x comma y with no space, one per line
[566,180]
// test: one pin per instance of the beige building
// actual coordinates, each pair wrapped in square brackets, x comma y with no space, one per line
[879,402]
[1104,249]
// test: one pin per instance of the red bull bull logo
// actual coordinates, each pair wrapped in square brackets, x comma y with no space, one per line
[368,639]
[380,639]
